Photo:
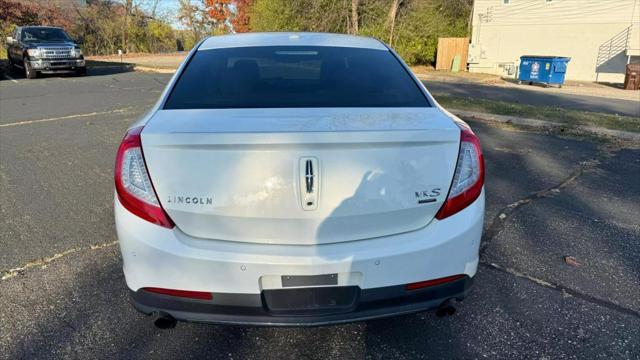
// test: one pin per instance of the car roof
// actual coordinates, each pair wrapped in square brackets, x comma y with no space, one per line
[291,39]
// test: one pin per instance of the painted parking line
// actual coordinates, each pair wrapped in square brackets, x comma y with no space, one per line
[29,122]
[10,78]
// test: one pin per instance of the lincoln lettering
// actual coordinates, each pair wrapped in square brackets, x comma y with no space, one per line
[195,200]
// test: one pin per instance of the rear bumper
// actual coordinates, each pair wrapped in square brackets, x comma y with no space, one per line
[253,309]
[240,274]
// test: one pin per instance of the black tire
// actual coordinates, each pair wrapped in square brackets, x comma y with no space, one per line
[81,71]
[29,72]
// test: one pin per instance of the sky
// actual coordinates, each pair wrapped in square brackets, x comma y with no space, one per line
[168,8]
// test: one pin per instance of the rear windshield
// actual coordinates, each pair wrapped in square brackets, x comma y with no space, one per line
[293,77]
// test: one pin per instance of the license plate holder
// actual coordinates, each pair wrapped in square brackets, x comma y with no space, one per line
[309,280]
[309,301]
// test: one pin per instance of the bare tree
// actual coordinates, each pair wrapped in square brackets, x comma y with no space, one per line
[354,16]
[393,12]
[154,8]
[189,15]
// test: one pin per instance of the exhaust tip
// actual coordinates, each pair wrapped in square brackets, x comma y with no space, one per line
[446,309]
[163,320]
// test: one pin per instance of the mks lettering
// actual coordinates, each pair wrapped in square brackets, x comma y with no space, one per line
[435,192]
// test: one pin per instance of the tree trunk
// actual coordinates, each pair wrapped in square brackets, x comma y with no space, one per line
[392,18]
[154,8]
[354,16]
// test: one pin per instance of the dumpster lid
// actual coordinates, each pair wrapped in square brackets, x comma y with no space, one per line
[545,57]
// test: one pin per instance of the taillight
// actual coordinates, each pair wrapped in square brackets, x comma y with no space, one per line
[133,185]
[434,282]
[200,295]
[468,178]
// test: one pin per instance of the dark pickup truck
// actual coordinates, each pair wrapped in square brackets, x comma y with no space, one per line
[44,49]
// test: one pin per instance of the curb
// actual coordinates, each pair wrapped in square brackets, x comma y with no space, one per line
[134,67]
[154,70]
[624,135]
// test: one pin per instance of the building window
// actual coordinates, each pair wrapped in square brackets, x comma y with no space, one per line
[506,2]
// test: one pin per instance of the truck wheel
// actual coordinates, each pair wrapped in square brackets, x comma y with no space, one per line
[81,71]
[29,72]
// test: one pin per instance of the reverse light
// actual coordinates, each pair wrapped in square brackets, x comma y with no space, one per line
[200,295]
[133,185]
[469,175]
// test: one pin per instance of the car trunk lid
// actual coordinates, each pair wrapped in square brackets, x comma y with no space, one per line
[243,174]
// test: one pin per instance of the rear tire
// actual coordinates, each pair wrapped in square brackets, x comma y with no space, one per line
[29,72]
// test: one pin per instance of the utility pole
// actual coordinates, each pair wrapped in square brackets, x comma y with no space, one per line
[125,35]
[470,23]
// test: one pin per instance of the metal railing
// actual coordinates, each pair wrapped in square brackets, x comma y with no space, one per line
[614,46]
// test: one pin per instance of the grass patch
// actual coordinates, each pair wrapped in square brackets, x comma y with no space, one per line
[558,115]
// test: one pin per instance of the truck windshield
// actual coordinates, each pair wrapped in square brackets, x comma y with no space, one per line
[44,34]
[294,76]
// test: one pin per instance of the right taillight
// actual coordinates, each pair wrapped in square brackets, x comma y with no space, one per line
[200,295]
[133,184]
[468,178]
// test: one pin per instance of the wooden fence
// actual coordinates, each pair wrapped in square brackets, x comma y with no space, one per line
[448,48]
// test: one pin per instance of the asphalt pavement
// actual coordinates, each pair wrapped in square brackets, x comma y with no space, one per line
[548,197]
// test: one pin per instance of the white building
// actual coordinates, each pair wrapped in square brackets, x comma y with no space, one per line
[600,36]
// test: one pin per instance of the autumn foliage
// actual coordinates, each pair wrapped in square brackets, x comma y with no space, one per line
[241,21]
[219,10]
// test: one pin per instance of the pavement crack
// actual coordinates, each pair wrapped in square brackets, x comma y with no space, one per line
[44,262]
[562,288]
[497,224]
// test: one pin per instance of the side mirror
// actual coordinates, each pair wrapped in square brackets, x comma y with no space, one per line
[10,40]
[79,41]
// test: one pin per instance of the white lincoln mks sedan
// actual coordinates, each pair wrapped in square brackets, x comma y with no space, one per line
[297,179]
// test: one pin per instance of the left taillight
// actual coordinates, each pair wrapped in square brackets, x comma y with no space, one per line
[468,178]
[133,184]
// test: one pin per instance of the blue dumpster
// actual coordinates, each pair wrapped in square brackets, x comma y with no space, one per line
[543,69]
